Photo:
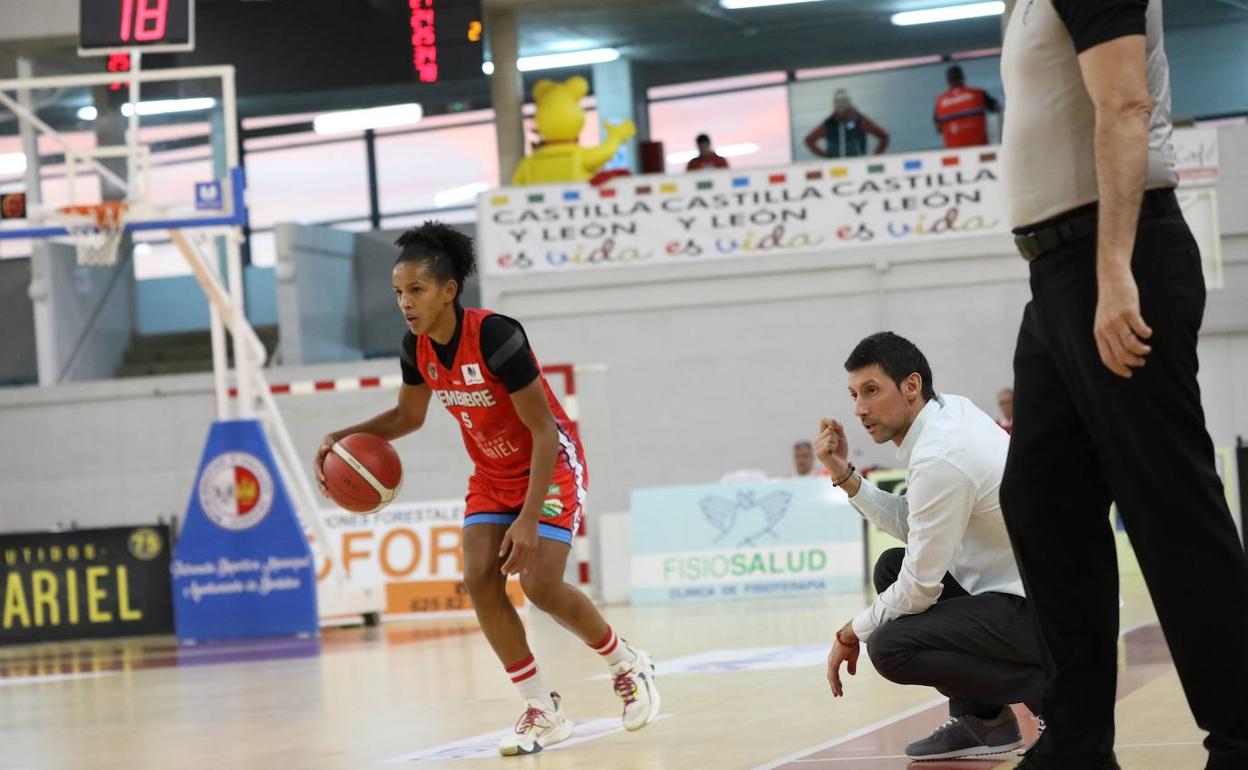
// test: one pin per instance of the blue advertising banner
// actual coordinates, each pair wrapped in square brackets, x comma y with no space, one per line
[724,541]
[242,567]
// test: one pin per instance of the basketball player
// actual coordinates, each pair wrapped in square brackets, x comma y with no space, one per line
[526,492]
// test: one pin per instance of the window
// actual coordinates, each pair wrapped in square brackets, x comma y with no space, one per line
[434,169]
[750,127]
[318,180]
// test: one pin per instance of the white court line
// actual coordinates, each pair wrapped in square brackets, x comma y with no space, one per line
[486,746]
[859,759]
[13,681]
[797,755]
[1000,756]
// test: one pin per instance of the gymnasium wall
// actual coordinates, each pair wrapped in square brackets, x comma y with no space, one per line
[720,366]
[17,353]
[177,304]
[126,451]
[1224,335]
[1208,69]
[45,19]
[318,305]
[92,311]
[711,368]
[93,314]
[336,296]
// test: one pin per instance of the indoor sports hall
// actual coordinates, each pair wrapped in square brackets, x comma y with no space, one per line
[623,384]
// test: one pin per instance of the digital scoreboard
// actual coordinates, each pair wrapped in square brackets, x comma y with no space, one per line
[107,26]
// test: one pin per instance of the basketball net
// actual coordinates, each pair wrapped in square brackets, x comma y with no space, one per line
[96,231]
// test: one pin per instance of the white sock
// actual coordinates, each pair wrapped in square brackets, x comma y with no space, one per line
[614,650]
[525,676]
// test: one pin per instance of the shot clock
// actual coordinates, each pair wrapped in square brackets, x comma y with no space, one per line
[447,38]
[106,26]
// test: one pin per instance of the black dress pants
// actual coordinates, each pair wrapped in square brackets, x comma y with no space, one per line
[1083,437]
[981,651]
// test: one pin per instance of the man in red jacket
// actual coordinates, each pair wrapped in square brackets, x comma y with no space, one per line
[706,158]
[962,113]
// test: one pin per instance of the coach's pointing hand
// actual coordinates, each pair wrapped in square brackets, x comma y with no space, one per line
[832,448]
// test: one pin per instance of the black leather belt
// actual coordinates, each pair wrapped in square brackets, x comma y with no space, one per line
[1037,240]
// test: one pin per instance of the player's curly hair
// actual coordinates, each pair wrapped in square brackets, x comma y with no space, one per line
[445,252]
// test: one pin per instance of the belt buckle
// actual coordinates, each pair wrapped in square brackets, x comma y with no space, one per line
[1028,246]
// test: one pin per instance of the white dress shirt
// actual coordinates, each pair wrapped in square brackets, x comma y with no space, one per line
[949,517]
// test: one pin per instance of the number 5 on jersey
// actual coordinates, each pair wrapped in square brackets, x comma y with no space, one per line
[467,420]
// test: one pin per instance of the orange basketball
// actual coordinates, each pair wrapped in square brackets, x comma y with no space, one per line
[363,473]
[13,206]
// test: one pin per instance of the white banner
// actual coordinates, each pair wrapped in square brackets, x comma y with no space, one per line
[1196,156]
[413,549]
[745,571]
[814,207]
[733,541]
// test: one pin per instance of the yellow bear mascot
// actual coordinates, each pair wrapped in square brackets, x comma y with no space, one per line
[559,122]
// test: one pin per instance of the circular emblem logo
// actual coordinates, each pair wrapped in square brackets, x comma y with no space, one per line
[432,370]
[236,491]
[145,544]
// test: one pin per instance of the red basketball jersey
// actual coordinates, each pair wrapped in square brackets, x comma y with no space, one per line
[962,115]
[497,440]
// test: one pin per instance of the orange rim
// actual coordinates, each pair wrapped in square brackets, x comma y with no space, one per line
[106,214]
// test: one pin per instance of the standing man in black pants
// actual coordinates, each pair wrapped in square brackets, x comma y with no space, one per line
[1106,403]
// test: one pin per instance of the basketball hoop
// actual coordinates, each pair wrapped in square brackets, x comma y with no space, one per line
[96,231]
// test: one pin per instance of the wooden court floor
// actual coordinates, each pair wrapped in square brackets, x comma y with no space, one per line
[744,689]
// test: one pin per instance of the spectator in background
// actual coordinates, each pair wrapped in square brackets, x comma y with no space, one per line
[1005,402]
[804,465]
[961,114]
[707,157]
[844,133]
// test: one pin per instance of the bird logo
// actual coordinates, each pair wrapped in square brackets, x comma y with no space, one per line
[750,516]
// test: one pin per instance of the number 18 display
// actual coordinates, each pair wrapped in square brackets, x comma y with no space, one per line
[105,26]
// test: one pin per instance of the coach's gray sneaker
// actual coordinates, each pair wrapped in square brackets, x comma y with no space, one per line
[969,736]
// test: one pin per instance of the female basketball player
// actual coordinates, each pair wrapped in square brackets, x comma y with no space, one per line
[526,491]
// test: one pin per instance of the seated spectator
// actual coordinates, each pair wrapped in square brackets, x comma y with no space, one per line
[1005,402]
[707,157]
[844,133]
[804,465]
[961,114]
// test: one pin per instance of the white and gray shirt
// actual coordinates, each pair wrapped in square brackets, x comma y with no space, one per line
[950,516]
[1049,130]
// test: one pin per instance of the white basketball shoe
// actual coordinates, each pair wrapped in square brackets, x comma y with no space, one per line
[537,728]
[634,684]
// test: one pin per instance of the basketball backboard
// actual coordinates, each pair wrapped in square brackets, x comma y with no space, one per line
[162,142]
